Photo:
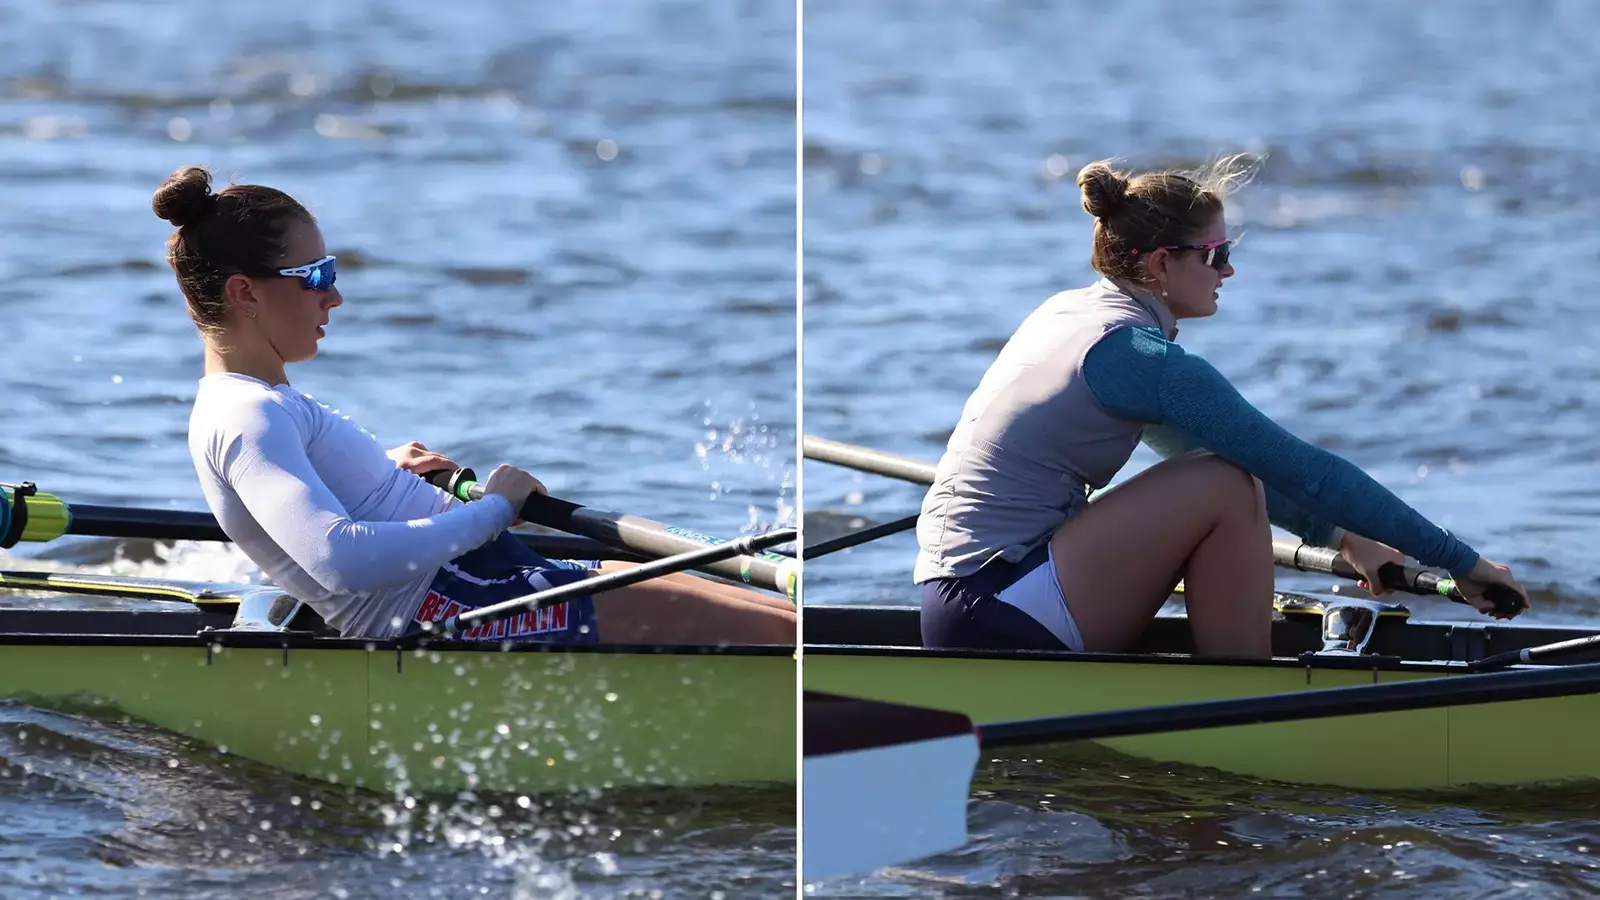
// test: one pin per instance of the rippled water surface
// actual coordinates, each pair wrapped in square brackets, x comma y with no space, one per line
[566,235]
[1414,291]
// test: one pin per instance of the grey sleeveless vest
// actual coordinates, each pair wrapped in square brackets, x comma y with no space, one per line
[1032,441]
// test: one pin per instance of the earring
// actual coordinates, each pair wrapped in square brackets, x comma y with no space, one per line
[1163,293]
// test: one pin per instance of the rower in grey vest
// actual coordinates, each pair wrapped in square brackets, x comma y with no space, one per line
[1012,553]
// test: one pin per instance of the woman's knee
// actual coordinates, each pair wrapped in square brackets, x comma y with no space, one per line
[1229,483]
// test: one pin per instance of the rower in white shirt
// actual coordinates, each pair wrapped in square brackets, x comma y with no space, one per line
[319,505]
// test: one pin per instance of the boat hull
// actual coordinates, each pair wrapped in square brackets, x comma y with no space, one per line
[1522,742]
[439,719]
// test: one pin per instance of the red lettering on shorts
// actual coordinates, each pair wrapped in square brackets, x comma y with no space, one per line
[429,611]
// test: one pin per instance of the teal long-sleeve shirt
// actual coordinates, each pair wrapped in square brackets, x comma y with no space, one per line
[1138,374]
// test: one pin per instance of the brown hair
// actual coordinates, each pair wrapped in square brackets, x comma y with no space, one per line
[1135,215]
[240,230]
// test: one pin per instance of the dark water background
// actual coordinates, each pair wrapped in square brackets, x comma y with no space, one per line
[566,236]
[1414,291]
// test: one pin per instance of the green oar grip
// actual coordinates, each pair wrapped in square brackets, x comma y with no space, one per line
[457,483]
[540,509]
[1506,602]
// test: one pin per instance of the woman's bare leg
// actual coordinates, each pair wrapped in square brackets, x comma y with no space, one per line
[1197,518]
[683,609]
[731,591]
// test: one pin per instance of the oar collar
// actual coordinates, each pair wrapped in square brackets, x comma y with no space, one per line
[27,515]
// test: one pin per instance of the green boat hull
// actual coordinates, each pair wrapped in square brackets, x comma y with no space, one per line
[1522,742]
[446,720]
[523,718]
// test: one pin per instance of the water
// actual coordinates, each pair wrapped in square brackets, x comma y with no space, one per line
[1412,292]
[566,235]
[96,807]
[1102,825]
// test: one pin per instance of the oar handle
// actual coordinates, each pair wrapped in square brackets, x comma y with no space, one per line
[766,570]
[540,509]
[1307,558]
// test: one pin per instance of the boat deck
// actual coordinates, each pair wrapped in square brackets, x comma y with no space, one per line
[174,612]
[895,630]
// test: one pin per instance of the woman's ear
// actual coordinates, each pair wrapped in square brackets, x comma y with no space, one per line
[241,295]
[1155,268]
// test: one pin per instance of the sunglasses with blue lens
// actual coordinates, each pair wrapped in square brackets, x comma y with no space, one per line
[317,276]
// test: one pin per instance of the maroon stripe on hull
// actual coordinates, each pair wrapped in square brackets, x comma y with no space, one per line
[835,724]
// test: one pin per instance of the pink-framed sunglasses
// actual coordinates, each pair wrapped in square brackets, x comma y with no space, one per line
[1217,252]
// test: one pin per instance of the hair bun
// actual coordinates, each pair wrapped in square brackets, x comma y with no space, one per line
[1105,191]
[185,198]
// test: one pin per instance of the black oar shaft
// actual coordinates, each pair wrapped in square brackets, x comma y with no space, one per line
[1449,690]
[1293,554]
[703,556]
[861,536]
[154,524]
[185,525]
[1536,654]
[639,535]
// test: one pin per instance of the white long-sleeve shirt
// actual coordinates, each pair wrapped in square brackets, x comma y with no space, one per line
[314,501]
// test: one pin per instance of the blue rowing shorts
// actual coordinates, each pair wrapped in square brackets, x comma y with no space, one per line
[505,569]
[1002,606]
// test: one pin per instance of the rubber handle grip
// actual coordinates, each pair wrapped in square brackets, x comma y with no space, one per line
[1507,603]
[458,483]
